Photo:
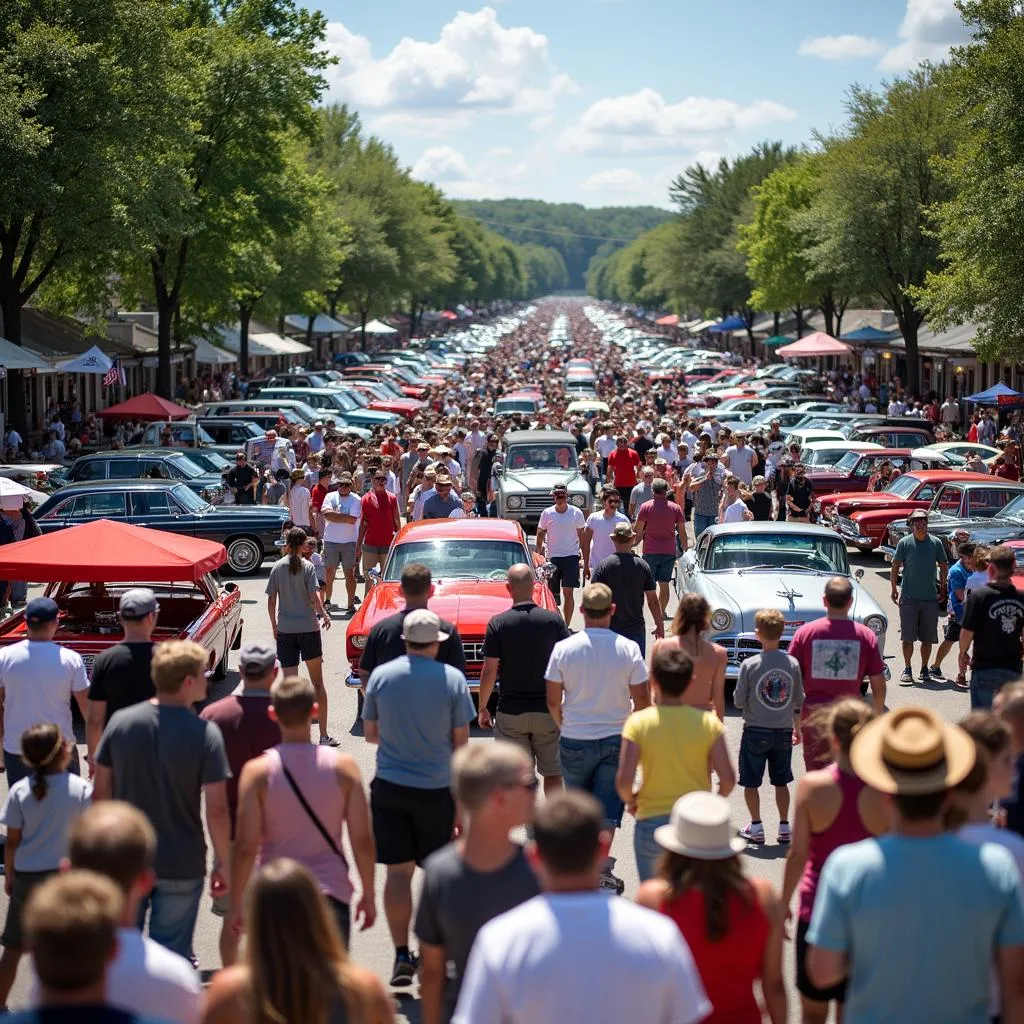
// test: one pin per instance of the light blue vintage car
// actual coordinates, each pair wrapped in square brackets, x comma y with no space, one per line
[741,568]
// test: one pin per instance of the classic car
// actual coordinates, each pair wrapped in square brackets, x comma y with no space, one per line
[895,437]
[994,512]
[87,568]
[379,397]
[862,518]
[955,450]
[524,403]
[740,568]
[468,559]
[154,463]
[336,402]
[248,532]
[853,471]
[38,476]
[823,454]
[535,460]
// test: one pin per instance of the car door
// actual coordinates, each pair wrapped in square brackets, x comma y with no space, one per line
[98,505]
[949,501]
[57,516]
[159,510]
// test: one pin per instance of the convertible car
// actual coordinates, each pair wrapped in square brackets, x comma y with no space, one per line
[468,559]
[740,568]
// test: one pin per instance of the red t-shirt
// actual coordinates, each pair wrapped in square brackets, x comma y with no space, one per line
[318,494]
[660,532]
[834,656]
[623,464]
[379,515]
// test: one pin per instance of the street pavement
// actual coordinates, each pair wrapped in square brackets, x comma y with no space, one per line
[373,948]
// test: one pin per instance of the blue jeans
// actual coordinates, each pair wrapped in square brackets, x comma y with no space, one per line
[640,639]
[174,906]
[701,523]
[591,765]
[985,684]
[646,850]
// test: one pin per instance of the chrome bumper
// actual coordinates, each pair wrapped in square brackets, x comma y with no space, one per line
[353,682]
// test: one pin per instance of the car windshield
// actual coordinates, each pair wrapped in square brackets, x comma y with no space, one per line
[849,460]
[358,399]
[212,461]
[541,456]
[903,486]
[466,559]
[186,467]
[515,405]
[783,550]
[188,499]
[1014,508]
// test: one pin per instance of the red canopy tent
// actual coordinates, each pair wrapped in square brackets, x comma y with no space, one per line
[668,321]
[146,407]
[815,345]
[105,551]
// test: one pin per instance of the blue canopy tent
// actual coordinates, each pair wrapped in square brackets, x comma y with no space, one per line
[999,394]
[730,323]
[872,334]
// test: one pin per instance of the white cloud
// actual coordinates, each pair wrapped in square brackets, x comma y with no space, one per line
[420,123]
[928,30]
[623,186]
[441,164]
[476,64]
[644,123]
[847,47]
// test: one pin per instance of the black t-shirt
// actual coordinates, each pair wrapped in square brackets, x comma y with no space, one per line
[995,614]
[761,505]
[642,445]
[242,478]
[522,639]
[121,676]
[629,578]
[484,470]
[384,643]
[1014,803]
[800,492]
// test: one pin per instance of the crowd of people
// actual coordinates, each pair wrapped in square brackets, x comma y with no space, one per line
[903,838]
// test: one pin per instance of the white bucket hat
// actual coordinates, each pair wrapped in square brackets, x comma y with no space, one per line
[700,827]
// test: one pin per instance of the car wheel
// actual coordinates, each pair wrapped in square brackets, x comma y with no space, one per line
[220,670]
[245,555]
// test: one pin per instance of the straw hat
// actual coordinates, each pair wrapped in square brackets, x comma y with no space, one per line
[700,828]
[913,752]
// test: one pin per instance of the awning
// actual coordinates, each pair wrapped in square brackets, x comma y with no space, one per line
[730,323]
[702,325]
[14,357]
[93,361]
[998,394]
[146,407]
[322,323]
[210,355]
[374,327]
[817,344]
[871,334]
[262,343]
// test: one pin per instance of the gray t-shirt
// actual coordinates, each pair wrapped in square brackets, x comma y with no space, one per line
[44,823]
[161,758]
[417,702]
[295,612]
[456,902]
[770,690]
[641,492]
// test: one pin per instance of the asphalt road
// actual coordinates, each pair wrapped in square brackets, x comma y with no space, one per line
[373,948]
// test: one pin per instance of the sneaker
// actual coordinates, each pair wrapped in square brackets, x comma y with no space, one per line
[907,677]
[405,970]
[936,673]
[328,604]
[926,676]
[785,835]
[611,883]
[329,741]
[358,600]
[753,833]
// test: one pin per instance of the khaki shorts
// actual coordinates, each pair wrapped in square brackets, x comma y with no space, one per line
[537,734]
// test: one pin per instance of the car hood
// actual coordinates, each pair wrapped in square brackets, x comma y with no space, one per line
[542,479]
[977,526]
[269,517]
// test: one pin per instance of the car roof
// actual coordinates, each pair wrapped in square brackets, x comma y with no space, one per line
[144,483]
[888,428]
[769,528]
[134,453]
[461,529]
[951,475]
[976,480]
[853,446]
[539,436]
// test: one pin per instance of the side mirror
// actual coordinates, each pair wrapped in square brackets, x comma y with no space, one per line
[859,574]
[230,588]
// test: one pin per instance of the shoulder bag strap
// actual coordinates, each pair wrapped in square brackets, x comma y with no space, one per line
[328,839]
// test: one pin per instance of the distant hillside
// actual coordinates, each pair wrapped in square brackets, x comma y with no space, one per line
[577,232]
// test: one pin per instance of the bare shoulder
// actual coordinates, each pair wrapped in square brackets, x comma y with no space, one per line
[370,993]
[225,996]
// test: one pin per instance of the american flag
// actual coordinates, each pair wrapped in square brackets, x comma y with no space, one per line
[115,375]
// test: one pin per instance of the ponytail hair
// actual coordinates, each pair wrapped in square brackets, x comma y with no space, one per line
[692,612]
[41,749]
[294,541]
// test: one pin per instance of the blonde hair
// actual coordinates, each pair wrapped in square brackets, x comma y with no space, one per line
[175,660]
[480,768]
[770,623]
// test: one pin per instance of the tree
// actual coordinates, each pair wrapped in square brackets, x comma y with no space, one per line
[981,222]
[880,177]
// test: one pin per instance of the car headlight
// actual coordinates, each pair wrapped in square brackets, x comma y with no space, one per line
[513,501]
[358,641]
[876,623]
[721,620]
[578,500]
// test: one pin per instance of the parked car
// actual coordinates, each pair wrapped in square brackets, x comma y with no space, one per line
[228,433]
[192,434]
[233,407]
[248,532]
[822,454]
[895,437]
[151,463]
[524,404]
[333,401]
[989,511]
[853,471]
[961,450]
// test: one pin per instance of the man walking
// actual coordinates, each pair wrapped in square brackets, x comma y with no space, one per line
[121,674]
[596,540]
[161,758]
[443,503]
[595,679]
[706,483]
[480,472]
[517,647]
[560,537]
[919,555]
[631,582]
[416,711]
[378,524]
[341,511]
[642,492]
[739,459]
[571,954]
[479,876]
[38,678]
[994,623]
[623,466]
[661,528]
[242,480]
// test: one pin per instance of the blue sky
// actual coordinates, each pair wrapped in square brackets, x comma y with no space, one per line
[603,102]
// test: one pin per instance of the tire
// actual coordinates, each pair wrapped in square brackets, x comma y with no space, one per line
[245,555]
[220,670]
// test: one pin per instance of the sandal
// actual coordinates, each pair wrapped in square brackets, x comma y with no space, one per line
[961,683]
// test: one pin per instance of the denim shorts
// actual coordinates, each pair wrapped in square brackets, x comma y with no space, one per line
[646,850]
[591,765]
[986,683]
[760,747]
[661,567]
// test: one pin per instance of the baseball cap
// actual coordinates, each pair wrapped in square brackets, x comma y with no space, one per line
[597,597]
[40,610]
[918,513]
[422,626]
[257,658]
[468,494]
[137,603]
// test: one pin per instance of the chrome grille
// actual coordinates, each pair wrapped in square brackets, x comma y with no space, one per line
[847,526]
[739,648]
[536,503]
[474,650]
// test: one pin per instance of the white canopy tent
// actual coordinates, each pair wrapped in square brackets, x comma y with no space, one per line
[93,361]
[374,327]
[210,355]
[262,343]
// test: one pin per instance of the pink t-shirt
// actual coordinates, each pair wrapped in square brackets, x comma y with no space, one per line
[834,656]
[661,516]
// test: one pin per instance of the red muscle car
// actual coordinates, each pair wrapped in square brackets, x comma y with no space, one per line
[468,559]
[853,471]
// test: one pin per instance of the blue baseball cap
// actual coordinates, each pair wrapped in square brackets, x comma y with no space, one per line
[41,610]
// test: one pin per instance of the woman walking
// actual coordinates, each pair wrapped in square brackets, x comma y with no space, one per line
[833,807]
[692,620]
[732,924]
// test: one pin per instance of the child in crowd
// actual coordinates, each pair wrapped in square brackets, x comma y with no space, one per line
[273,493]
[980,576]
[956,584]
[770,693]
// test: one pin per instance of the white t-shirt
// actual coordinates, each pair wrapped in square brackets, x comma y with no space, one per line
[424,495]
[458,513]
[563,538]
[604,446]
[300,504]
[38,678]
[736,512]
[596,668]
[601,526]
[691,440]
[350,505]
[741,461]
[583,956]
[669,454]
[146,979]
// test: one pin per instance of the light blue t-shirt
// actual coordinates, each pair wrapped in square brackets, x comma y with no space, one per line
[920,921]
[45,823]
[417,702]
[956,579]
